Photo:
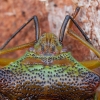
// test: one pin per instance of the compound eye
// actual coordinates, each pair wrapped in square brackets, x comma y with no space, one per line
[31,49]
[64,50]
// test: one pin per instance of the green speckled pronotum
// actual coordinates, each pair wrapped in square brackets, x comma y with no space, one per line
[46,72]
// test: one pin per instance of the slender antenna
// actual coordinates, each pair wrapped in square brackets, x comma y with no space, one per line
[63,27]
[36,29]
[62,31]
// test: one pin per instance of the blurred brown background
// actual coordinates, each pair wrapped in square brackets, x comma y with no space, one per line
[15,13]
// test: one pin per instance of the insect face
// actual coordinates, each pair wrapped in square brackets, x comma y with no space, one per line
[48,45]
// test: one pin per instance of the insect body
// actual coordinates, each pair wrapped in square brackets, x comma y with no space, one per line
[47,72]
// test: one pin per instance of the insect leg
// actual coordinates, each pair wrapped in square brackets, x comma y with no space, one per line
[62,31]
[36,29]
[20,47]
